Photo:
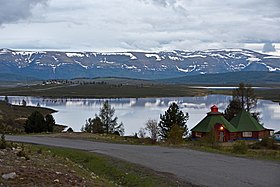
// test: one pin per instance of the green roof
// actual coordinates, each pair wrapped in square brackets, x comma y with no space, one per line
[245,122]
[208,123]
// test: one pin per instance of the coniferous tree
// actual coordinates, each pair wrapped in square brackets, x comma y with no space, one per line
[173,116]
[6,99]
[35,123]
[244,98]
[108,120]
[50,122]
[105,122]
[232,109]
[94,125]
[23,102]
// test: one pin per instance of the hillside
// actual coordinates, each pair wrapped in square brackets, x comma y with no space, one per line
[12,117]
[257,78]
[43,65]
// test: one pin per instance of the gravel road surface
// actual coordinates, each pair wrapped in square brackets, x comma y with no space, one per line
[196,167]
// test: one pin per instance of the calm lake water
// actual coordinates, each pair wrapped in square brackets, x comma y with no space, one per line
[135,112]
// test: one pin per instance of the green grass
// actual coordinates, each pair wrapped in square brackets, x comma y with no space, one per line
[262,154]
[108,138]
[113,170]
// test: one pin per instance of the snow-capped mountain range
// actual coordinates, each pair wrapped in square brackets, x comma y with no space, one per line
[143,65]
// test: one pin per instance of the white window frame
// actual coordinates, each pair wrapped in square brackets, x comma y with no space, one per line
[198,134]
[247,134]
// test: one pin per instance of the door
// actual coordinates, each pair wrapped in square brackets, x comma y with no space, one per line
[221,138]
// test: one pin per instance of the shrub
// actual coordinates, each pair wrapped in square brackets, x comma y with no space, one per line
[22,153]
[175,135]
[36,123]
[267,143]
[153,129]
[240,147]
[3,143]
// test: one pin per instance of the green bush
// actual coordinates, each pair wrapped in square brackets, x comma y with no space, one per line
[265,143]
[37,123]
[175,135]
[240,147]
[3,143]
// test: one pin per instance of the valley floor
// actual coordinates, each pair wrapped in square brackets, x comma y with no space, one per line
[118,90]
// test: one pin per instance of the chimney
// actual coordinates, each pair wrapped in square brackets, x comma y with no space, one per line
[214,108]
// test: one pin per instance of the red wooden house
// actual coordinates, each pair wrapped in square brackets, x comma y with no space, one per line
[242,126]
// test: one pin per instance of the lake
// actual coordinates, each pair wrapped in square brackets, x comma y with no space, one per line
[135,112]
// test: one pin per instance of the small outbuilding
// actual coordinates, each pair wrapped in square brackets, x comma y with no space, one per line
[277,136]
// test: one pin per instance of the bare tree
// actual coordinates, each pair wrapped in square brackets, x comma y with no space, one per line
[246,95]
[153,129]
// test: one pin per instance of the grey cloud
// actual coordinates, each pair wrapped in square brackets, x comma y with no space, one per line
[141,24]
[173,4]
[12,11]
[164,3]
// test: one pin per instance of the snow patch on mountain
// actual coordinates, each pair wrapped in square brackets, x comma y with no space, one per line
[80,63]
[72,54]
[106,61]
[132,57]
[195,56]
[271,57]
[270,68]
[158,58]
[186,70]
[253,59]
[56,59]
[175,58]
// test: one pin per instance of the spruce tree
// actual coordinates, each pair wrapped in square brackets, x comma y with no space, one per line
[173,116]
[108,120]
[6,99]
[94,125]
[105,122]
[35,123]
[243,98]
[232,109]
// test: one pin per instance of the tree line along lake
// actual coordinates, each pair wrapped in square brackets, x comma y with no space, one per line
[135,112]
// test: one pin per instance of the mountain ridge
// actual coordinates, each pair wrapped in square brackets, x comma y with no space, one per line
[144,65]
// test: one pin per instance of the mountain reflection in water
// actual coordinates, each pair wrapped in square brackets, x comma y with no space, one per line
[135,112]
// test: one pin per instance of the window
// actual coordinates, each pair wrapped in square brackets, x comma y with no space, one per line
[247,134]
[198,134]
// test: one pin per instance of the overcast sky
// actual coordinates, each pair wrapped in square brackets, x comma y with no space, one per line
[139,25]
